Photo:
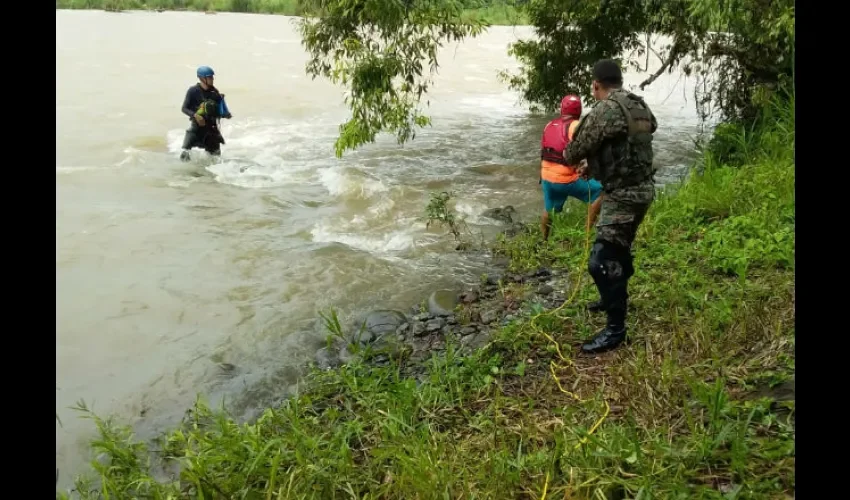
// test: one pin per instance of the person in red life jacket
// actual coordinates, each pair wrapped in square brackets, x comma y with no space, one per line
[559,180]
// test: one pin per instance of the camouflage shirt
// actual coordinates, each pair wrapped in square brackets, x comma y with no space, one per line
[615,158]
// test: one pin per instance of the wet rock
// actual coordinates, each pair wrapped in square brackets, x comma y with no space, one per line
[434,325]
[362,336]
[381,360]
[542,272]
[469,297]
[488,317]
[442,302]
[381,322]
[501,261]
[400,331]
[346,356]
[494,279]
[475,341]
[503,214]
[468,330]
[422,317]
[420,344]
[327,358]
[388,344]
[545,290]
[515,230]
[418,329]
[515,278]
[451,320]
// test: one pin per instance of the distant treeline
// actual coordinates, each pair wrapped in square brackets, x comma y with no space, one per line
[498,12]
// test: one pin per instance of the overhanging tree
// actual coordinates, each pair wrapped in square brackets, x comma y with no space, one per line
[379,50]
[384,52]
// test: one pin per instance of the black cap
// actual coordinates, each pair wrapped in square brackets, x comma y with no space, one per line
[607,72]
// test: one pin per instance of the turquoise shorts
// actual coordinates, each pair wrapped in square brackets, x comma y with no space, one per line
[555,195]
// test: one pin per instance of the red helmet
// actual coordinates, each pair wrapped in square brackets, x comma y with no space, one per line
[571,106]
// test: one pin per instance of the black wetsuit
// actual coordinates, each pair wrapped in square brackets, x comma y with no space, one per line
[207,137]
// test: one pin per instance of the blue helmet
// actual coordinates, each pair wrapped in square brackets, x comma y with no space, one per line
[205,72]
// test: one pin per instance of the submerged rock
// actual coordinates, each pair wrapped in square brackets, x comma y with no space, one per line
[346,356]
[494,279]
[504,214]
[379,323]
[515,230]
[442,303]
[327,358]
[387,346]
[469,297]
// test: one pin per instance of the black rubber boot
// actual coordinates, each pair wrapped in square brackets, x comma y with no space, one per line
[596,306]
[609,337]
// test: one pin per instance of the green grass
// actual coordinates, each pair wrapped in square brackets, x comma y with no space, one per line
[667,416]
[497,15]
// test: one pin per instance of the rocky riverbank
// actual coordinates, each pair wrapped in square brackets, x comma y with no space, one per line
[463,317]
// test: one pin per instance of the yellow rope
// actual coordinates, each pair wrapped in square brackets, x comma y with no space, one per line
[545,487]
[567,361]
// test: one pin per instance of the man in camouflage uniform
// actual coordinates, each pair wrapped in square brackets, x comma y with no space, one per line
[616,139]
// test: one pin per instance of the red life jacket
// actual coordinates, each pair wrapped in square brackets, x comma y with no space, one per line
[555,140]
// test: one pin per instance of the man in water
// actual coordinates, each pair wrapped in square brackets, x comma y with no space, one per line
[616,140]
[558,178]
[201,106]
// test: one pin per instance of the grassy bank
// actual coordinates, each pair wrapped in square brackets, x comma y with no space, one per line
[495,13]
[675,414]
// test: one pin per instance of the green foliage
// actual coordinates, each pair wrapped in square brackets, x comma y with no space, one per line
[439,212]
[330,320]
[747,50]
[496,13]
[740,49]
[570,36]
[385,53]
[240,5]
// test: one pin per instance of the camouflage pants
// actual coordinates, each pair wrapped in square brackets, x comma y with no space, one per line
[622,212]
[611,263]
